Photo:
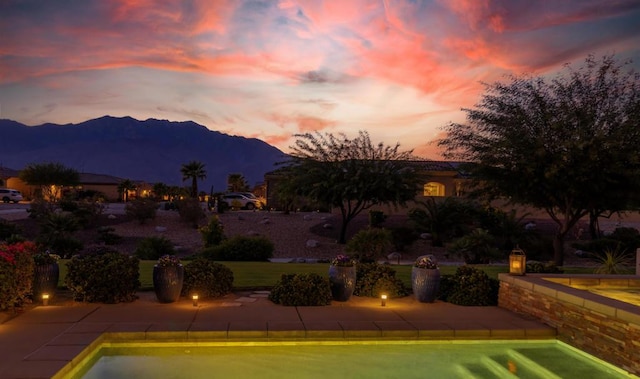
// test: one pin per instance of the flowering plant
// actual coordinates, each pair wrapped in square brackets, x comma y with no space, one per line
[343,260]
[426,261]
[45,258]
[168,261]
[9,252]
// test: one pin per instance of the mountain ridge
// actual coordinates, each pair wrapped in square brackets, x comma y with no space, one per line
[152,150]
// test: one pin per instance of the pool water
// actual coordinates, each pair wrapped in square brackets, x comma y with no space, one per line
[344,359]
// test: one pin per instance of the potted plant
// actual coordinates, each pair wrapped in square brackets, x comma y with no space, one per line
[342,277]
[168,277]
[46,274]
[425,278]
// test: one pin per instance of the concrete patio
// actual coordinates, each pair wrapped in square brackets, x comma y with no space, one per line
[42,340]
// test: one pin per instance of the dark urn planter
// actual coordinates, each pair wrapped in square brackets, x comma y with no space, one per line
[425,283]
[45,280]
[167,283]
[343,282]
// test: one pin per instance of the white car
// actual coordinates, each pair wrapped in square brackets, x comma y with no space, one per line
[241,200]
[10,195]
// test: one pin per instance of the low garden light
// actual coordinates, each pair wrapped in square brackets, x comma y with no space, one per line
[45,299]
[383,300]
[517,262]
[195,300]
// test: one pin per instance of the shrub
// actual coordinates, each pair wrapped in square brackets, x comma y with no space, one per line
[370,244]
[16,274]
[56,233]
[376,218]
[107,276]
[308,289]
[213,232]
[241,248]
[152,248]
[402,237]
[8,229]
[141,210]
[40,208]
[613,262]
[87,211]
[476,247]
[542,267]
[207,278]
[107,235]
[374,279]
[190,211]
[473,287]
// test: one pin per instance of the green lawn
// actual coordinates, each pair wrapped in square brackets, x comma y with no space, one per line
[266,274]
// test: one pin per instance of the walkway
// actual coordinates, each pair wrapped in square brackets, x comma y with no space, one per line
[39,342]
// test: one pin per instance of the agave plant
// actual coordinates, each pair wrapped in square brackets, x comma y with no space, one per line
[613,262]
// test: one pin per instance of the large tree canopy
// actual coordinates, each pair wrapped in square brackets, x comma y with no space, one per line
[350,174]
[567,145]
[50,177]
[193,170]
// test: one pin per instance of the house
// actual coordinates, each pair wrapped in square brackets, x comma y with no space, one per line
[441,179]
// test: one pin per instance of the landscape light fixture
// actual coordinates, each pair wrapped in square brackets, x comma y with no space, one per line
[45,299]
[195,300]
[383,300]
[517,262]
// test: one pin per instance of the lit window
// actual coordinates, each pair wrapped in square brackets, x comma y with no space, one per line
[434,189]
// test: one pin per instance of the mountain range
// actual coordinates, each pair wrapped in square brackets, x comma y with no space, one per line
[151,150]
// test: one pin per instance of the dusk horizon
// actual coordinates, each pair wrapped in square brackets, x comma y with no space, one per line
[401,70]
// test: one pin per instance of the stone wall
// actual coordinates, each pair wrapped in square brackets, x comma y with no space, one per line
[603,327]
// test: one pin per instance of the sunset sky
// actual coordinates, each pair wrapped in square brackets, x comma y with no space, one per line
[270,69]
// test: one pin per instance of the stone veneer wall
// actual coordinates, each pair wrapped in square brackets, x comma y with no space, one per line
[603,327]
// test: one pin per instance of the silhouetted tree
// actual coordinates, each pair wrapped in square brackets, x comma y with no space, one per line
[50,178]
[193,170]
[124,187]
[237,183]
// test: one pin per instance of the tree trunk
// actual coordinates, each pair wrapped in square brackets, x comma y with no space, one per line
[558,249]
[342,239]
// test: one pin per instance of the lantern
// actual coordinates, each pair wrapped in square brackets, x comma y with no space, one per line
[517,262]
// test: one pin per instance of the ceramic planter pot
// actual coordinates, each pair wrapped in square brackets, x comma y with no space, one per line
[425,283]
[342,281]
[167,283]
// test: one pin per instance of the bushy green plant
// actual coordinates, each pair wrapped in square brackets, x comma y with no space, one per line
[40,208]
[57,233]
[8,229]
[613,262]
[88,211]
[141,210]
[213,232]
[241,248]
[108,277]
[152,248]
[542,267]
[16,274]
[473,287]
[190,211]
[374,279]
[107,235]
[206,278]
[308,289]
[476,247]
[370,243]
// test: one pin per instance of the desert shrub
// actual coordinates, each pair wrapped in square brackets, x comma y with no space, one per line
[369,244]
[107,235]
[57,234]
[141,210]
[241,248]
[152,248]
[107,276]
[402,237]
[446,287]
[473,287]
[190,211]
[476,247]
[624,240]
[213,232]
[308,289]
[87,211]
[206,278]
[376,218]
[613,262]
[8,229]
[16,274]
[374,279]
[40,208]
[542,267]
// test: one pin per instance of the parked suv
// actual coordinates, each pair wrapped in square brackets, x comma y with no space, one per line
[241,200]
[8,195]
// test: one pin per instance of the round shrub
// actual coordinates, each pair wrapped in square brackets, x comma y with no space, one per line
[141,210]
[207,278]
[370,244]
[108,277]
[473,287]
[308,289]
[152,248]
[212,233]
[374,279]
[241,248]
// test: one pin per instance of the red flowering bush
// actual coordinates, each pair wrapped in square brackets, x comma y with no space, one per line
[16,274]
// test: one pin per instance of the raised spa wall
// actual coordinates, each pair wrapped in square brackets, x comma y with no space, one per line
[606,328]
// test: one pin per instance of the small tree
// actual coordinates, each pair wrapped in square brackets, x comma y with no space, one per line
[237,183]
[50,178]
[124,187]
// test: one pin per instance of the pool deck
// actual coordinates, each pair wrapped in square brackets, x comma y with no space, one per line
[42,340]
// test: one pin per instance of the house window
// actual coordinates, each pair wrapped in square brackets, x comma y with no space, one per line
[434,189]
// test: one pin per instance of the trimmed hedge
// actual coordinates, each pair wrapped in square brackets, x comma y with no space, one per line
[207,279]
[374,279]
[301,290]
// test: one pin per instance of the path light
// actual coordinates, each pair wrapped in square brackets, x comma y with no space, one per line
[517,262]
[45,299]
[195,300]
[383,300]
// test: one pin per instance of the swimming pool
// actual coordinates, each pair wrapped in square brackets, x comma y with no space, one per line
[342,359]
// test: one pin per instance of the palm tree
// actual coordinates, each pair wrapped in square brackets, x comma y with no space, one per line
[193,170]
[124,187]
[237,183]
